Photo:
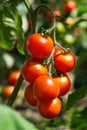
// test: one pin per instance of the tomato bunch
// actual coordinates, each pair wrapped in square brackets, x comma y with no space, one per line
[44,89]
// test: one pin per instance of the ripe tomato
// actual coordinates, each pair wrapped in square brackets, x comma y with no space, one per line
[45,88]
[13,77]
[50,108]
[70,6]
[64,62]
[49,15]
[7,90]
[33,69]
[29,96]
[39,46]
[64,83]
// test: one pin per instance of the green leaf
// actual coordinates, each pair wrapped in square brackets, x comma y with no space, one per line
[5,38]
[19,33]
[81,10]
[11,120]
[75,96]
[10,26]
[78,119]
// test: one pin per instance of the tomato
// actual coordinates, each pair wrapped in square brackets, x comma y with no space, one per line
[45,88]
[49,15]
[7,90]
[33,69]
[70,21]
[60,27]
[69,39]
[64,82]
[39,46]
[29,96]
[64,62]
[13,77]
[50,108]
[57,13]
[70,6]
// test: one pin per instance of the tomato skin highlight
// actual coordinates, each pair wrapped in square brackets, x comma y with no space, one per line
[29,96]
[33,69]
[64,62]
[49,109]
[39,46]
[45,88]
[64,82]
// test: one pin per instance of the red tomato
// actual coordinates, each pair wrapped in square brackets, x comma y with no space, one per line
[49,15]
[45,88]
[64,83]
[39,46]
[64,62]
[33,69]
[50,108]
[29,96]
[70,6]
[13,77]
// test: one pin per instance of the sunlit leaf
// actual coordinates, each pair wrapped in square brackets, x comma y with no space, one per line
[76,96]
[11,120]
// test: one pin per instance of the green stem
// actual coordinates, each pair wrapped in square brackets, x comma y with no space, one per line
[15,91]
[37,10]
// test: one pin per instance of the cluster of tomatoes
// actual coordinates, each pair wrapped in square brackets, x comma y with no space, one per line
[12,79]
[44,89]
[69,6]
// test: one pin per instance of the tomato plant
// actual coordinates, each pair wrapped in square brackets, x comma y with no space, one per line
[49,109]
[64,62]
[39,46]
[45,88]
[29,96]
[33,69]
[30,39]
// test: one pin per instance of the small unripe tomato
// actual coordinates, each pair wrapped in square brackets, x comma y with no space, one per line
[64,82]
[69,39]
[49,109]
[60,27]
[64,62]
[45,88]
[70,6]
[13,77]
[39,46]
[7,90]
[29,96]
[32,69]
